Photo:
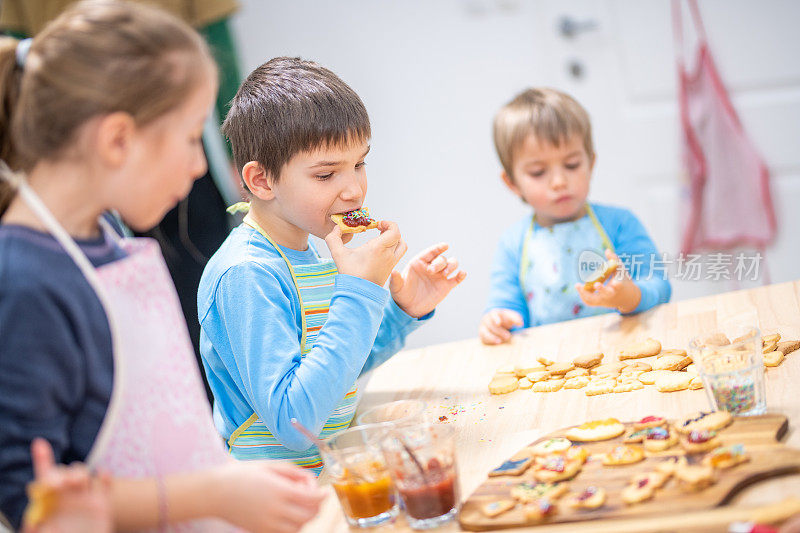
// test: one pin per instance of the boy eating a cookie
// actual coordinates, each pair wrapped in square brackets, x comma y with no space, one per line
[286,333]
[550,266]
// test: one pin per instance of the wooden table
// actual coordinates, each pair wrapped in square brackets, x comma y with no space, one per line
[452,379]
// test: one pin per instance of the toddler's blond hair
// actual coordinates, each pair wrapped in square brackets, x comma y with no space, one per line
[549,115]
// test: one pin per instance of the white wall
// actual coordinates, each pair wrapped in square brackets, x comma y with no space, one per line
[433,73]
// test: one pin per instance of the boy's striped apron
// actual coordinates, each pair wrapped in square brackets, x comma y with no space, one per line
[253,440]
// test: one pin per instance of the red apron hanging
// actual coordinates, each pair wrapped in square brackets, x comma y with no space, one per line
[730,201]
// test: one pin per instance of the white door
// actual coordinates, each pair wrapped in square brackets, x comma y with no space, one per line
[432,75]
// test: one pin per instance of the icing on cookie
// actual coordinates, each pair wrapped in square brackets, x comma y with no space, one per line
[510,466]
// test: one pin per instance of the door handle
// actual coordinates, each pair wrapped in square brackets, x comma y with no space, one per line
[570,27]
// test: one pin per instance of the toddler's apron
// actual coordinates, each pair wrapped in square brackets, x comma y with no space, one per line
[158,420]
[731,204]
[253,440]
[553,260]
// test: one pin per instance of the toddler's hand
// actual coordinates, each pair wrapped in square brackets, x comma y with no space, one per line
[69,499]
[425,281]
[266,496]
[495,325]
[373,260]
[621,292]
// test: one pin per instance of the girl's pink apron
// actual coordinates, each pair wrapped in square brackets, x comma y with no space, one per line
[158,421]
[730,201]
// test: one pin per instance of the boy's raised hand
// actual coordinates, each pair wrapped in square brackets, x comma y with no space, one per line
[621,292]
[425,281]
[495,326]
[373,260]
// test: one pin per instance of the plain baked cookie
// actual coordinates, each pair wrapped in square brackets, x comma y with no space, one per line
[503,384]
[644,348]
[588,361]
[596,430]
[713,421]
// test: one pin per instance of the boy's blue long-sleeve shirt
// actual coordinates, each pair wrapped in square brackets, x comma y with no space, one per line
[627,235]
[250,320]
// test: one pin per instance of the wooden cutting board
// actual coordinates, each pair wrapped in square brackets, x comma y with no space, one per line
[760,436]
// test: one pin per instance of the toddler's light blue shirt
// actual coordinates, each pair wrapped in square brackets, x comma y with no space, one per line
[630,240]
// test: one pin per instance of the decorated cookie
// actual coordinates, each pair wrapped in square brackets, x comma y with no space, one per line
[588,498]
[713,421]
[640,490]
[355,221]
[539,510]
[497,507]
[671,464]
[700,441]
[623,455]
[726,456]
[588,361]
[655,479]
[645,348]
[659,439]
[636,436]
[650,422]
[596,430]
[549,446]
[555,468]
[512,467]
[527,492]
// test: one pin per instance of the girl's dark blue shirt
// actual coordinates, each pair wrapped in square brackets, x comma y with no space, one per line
[56,365]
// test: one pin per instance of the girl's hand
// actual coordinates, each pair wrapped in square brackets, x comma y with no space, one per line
[373,260]
[495,325]
[65,498]
[621,292]
[266,496]
[425,281]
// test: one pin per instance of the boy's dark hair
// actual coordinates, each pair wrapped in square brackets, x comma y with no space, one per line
[287,106]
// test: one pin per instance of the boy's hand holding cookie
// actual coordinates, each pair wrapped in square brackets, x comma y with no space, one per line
[373,260]
[495,326]
[621,292]
[425,281]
